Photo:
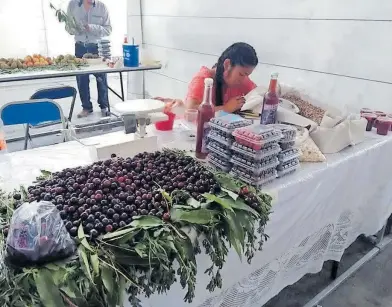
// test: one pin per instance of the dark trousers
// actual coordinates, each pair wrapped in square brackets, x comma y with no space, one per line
[84,80]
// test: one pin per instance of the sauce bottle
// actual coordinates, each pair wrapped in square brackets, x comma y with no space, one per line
[270,102]
[3,145]
[206,111]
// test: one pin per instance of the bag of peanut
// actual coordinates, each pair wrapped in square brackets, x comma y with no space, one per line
[304,103]
[309,150]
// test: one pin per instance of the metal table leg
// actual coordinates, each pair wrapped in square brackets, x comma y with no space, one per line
[334,270]
[122,96]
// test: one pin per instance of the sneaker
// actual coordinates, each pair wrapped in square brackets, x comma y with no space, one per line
[105,112]
[84,113]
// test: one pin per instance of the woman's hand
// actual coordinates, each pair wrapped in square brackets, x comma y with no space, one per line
[234,104]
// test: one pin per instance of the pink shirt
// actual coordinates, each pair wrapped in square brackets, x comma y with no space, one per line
[196,87]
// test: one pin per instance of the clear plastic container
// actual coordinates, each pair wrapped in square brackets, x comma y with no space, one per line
[228,123]
[3,144]
[252,167]
[256,155]
[219,163]
[257,136]
[288,154]
[255,181]
[289,132]
[223,139]
[286,145]
[288,164]
[219,150]
[288,170]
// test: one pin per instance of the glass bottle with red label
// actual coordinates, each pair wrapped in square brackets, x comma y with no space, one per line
[271,102]
[206,111]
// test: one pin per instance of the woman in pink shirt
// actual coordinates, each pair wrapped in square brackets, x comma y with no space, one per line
[231,76]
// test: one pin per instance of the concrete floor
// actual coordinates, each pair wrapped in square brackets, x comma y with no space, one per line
[310,285]
[19,91]
[370,286]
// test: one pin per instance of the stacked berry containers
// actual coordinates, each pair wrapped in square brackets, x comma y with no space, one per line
[220,139]
[255,152]
[289,156]
[104,49]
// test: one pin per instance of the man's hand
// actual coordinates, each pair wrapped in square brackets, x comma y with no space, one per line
[87,28]
[234,104]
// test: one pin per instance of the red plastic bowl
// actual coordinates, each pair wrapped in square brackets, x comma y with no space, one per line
[166,125]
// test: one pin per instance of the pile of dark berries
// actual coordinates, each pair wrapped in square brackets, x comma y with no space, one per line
[249,198]
[109,194]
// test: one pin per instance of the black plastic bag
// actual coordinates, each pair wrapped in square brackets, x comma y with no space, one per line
[37,235]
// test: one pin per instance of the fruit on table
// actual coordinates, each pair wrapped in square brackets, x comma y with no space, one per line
[37,60]
[109,194]
[90,56]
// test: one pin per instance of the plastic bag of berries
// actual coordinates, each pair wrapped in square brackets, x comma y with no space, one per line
[37,235]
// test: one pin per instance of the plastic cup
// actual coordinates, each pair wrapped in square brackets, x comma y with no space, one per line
[379,114]
[390,116]
[371,118]
[365,110]
[383,125]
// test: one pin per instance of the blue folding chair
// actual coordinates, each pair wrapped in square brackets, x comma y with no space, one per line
[33,113]
[55,93]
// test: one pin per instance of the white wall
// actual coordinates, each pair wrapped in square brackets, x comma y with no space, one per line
[35,29]
[339,51]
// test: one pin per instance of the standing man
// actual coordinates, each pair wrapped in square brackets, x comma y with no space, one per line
[93,17]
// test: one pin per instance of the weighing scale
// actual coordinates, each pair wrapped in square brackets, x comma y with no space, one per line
[136,115]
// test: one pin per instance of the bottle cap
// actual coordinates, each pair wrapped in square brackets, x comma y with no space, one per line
[208,81]
[274,75]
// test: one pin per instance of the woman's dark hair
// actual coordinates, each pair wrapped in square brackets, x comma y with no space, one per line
[241,54]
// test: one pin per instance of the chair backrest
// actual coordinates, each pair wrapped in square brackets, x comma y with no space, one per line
[58,93]
[55,93]
[33,112]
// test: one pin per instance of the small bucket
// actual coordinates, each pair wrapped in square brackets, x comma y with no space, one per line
[166,125]
[131,55]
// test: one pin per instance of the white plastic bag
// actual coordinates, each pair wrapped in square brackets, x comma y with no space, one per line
[309,150]
[348,132]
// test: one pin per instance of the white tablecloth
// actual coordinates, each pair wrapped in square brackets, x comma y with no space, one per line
[318,212]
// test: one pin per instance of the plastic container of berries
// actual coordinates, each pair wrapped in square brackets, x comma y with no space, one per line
[256,155]
[288,164]
[289,132]
[219,150]
[228,123]
[222,139]
[288,154]
[254,168]
[218,163]
[250,174]
[286,145]
[288,171]
[256,136]
[255,181]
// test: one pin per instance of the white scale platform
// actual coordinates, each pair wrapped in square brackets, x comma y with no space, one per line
[140,113]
